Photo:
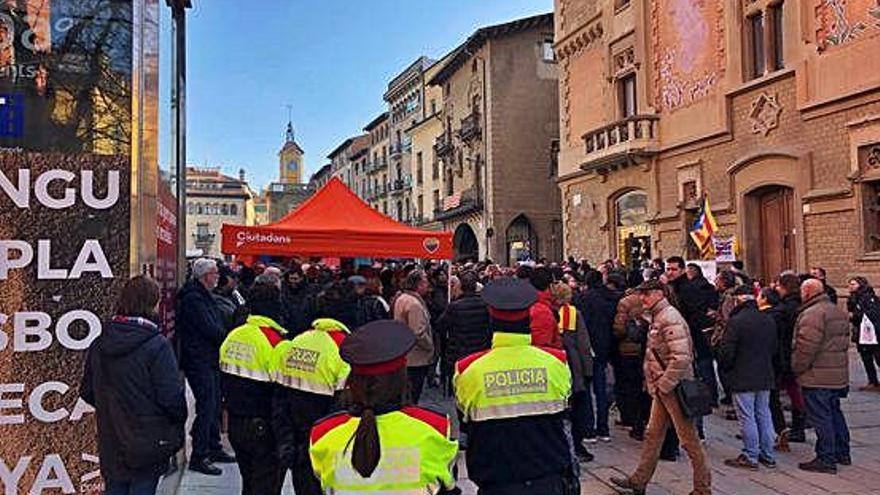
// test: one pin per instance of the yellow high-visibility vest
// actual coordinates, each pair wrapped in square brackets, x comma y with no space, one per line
[513,379]
[311,362]
[417,453]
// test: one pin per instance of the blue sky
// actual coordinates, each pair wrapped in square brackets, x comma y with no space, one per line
[329,59]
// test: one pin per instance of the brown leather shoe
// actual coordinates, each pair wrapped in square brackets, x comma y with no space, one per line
[624,485]
[742,462]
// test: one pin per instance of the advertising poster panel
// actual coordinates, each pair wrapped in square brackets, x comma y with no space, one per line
[68,80]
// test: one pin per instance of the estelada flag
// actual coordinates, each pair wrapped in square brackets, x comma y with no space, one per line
[704,228]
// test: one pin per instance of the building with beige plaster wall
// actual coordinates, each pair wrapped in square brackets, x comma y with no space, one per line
[406,104]
[377,165]
[427,180]
[765,106]
[213,199]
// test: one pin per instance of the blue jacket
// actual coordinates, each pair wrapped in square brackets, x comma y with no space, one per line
[200,327]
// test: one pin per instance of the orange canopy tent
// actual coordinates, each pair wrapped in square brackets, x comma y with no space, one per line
[335,222]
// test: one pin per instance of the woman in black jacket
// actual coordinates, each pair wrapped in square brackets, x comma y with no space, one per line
[131,374]
[862,299]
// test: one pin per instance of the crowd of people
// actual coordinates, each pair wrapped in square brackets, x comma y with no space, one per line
[537,357]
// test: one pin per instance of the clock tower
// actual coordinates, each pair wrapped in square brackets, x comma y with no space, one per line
[290,159]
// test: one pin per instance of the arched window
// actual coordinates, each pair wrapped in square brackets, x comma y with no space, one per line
[522,241]
[224,209]
[233,210]
[633,232]
[200,209]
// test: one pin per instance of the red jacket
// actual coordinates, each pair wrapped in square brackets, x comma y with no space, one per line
[545,329]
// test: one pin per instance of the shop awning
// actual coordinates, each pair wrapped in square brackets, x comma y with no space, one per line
[335,222]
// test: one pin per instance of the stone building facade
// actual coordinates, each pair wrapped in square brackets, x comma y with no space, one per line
[284,195]
[498,119]
[767,107]
[212,199]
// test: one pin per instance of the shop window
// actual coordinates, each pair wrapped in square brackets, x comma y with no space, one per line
[626,94]
[632,228]
[755,40]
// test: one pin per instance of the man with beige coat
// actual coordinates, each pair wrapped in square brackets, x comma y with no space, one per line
[670,337]
[820,363]
[411,310]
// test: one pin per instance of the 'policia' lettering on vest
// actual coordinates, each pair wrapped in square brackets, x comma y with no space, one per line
[302,359]
[239,351]
[515,382]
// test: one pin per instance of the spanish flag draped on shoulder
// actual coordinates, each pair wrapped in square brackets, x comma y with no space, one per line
[704,228]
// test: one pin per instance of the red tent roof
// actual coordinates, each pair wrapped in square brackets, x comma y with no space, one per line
[335,222]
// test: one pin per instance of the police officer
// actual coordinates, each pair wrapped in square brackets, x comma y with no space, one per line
[245,361]
[310,372]
[382,444]
[514,398]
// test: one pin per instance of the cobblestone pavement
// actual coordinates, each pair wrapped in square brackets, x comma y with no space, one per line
[862,411]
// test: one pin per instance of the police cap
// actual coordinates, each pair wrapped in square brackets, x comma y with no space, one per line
[509,294]
[377,348]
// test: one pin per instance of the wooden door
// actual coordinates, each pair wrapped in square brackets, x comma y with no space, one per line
[777,241]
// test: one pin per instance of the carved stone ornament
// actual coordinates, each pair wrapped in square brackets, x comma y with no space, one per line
[624,61]
[869,158]
[765,113]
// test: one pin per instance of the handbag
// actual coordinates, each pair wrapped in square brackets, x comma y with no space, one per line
[144,440]
[693,396]
[867,332]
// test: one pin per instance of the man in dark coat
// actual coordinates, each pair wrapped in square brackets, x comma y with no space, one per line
[698,298]
[598,305]
[746,355]
[785,315]
[831,292]
[369,307]
[466,321]
[230,302]
[201,333]
[297,302]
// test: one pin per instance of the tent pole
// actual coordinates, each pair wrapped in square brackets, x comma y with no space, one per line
[449,282]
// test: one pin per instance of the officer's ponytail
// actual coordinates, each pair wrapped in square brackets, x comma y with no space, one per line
[369,394]
[366,451]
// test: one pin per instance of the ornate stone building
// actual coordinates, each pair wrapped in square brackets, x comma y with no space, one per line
[766,106]
[498,119]
[281,197]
